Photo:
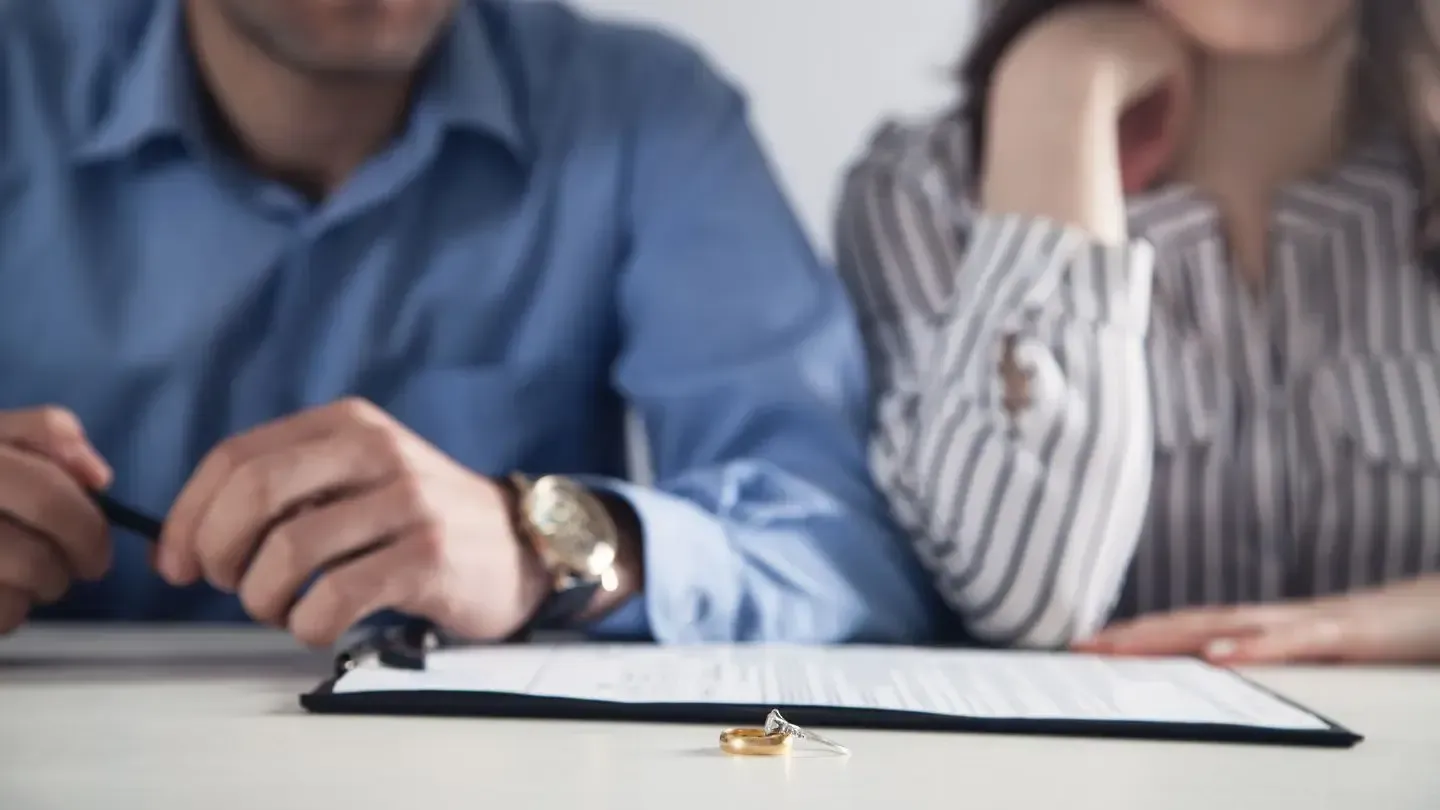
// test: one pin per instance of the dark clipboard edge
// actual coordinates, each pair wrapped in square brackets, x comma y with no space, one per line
[324,700]
[1355,739]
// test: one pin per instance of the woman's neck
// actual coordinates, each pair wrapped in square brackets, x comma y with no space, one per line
[1269,121]
[1260,125]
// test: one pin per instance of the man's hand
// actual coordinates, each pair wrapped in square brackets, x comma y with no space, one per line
[349,501]
[51,532]
[1398,624]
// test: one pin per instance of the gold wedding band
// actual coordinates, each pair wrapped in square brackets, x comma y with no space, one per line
[753,742]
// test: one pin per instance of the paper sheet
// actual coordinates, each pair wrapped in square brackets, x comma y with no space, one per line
[964,683]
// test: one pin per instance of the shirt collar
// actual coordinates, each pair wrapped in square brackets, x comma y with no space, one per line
[154,97]
[467,85]
[463,89]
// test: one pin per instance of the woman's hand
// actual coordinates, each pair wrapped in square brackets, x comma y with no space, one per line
[1088,105]
[1398,624]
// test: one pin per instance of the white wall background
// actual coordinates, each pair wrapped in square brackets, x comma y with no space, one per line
[819,73]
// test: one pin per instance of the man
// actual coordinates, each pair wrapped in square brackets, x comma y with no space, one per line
[330,283]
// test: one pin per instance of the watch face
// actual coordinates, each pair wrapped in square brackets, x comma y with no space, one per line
[574,524]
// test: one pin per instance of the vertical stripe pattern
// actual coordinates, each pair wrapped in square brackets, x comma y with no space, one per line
[1190,441]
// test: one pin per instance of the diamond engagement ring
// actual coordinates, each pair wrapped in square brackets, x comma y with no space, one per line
[775,723]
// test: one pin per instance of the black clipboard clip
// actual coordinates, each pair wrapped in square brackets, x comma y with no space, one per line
[402,645]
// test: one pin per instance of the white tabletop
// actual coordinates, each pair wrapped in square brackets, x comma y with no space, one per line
[209,719]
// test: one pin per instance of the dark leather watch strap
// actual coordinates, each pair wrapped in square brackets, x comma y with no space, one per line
[559,611]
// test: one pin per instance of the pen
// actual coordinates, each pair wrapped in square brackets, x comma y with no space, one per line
[130,519]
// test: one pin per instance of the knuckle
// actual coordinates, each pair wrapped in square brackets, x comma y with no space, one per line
[383,442]
[262,603]
[222,462]
[55,423]
[359,409]
[413,499]
[337,593]
[286,542]
[257,482]
[262,591]
[428,542]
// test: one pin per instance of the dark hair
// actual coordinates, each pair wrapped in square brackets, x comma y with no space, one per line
[1392,32]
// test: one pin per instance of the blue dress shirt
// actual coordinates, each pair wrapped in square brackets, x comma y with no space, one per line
[575,218]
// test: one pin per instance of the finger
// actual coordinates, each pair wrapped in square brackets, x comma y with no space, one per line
[270,489]
[1161,634]
[57,434]
[14,608]
[324,537]
[1313,639]
[1182,633]
[35,494]
[31,565]
[176,557]
[393,576]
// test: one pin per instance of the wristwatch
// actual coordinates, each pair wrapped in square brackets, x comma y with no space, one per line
[576,539]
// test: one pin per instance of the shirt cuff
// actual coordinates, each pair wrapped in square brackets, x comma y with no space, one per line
[1031,263]
[689,574]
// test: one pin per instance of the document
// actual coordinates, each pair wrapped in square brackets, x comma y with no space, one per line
[1007,685]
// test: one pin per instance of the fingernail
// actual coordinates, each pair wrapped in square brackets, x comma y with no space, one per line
[1221,648]
[80,460]
[165,565]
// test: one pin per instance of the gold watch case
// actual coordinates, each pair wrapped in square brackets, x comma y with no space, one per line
[570,528]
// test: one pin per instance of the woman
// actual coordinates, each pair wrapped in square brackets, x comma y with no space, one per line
[1157,331]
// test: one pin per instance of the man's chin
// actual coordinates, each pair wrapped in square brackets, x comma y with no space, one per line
[369,66]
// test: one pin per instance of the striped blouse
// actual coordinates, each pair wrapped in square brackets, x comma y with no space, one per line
[1187,440]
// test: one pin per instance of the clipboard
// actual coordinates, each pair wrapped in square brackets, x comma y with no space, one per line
[409,654]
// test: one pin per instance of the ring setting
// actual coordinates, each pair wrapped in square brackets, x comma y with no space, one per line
[777,737]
